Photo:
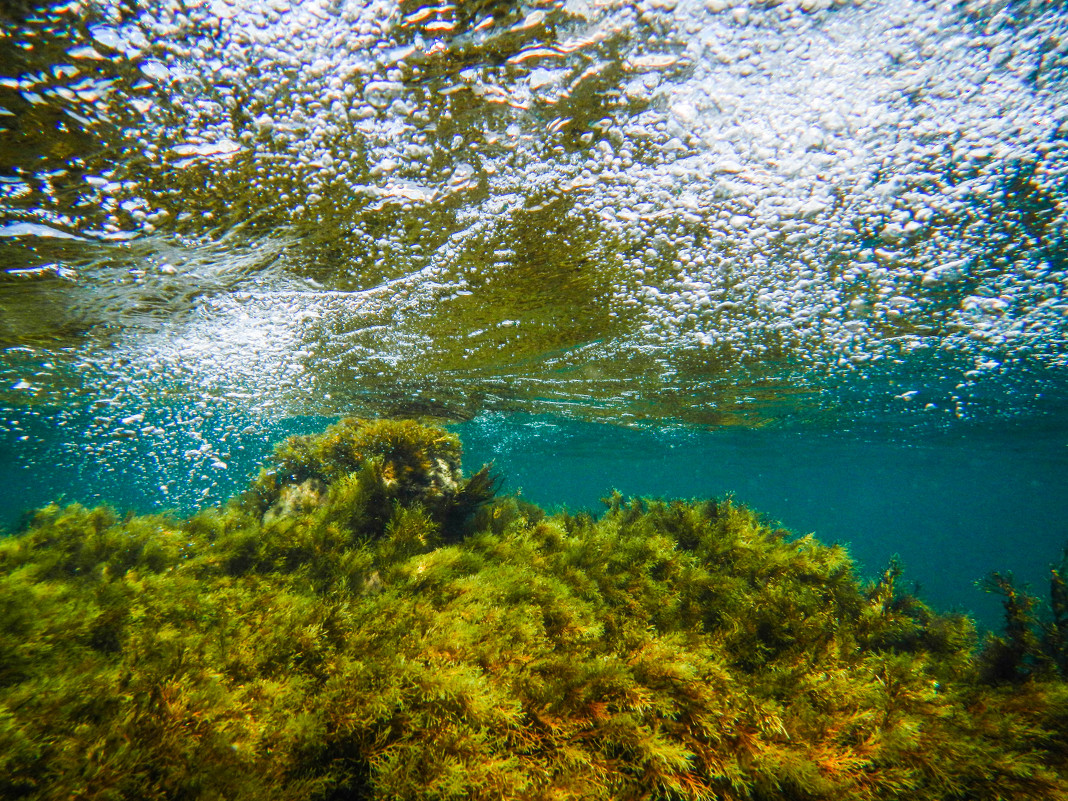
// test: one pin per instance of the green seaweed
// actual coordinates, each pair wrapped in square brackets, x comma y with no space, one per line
[366,623]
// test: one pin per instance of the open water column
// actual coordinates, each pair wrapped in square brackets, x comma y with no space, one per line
[808,255]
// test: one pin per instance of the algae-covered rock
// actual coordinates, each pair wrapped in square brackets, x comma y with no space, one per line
[417,460]
[366,623]
[408,462]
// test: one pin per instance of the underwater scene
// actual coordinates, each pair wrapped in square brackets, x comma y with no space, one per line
[561,399]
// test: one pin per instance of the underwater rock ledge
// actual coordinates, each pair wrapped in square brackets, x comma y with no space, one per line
[364,622]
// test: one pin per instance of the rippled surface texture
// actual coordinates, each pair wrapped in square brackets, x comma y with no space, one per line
[842,215]
[668,209]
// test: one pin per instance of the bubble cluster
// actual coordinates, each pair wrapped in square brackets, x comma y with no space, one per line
[632,210]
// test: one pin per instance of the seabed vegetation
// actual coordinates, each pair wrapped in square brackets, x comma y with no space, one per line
[366,622]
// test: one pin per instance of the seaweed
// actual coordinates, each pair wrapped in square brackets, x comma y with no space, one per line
[367,623]
[1029,647]
[1056,640]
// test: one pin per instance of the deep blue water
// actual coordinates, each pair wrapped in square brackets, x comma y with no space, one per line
[953,506]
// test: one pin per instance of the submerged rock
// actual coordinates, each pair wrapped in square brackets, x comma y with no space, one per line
[295,499]
[399,460]
[416,462]
[367,623]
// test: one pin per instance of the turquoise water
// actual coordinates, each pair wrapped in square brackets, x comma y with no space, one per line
[953,506]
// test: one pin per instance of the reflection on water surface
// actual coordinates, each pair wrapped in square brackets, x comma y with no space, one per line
[713,212]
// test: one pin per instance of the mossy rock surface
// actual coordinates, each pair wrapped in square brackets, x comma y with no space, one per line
[366,623]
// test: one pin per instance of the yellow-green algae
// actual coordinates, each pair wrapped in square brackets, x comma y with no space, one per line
[367,623]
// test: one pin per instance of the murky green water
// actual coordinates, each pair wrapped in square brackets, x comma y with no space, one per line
[736,227]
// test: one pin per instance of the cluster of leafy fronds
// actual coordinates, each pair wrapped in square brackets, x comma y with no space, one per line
[392,632]
[1028,647]
[411,464]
